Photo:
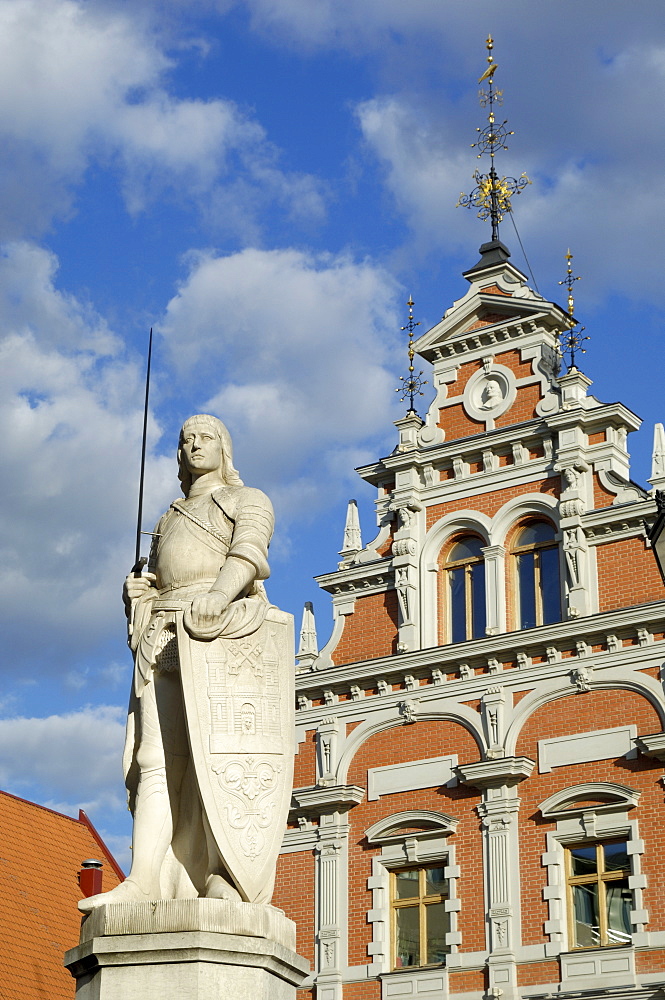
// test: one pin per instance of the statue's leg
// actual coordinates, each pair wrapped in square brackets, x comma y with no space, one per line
[162,759]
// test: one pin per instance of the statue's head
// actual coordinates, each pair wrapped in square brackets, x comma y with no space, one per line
[228,473]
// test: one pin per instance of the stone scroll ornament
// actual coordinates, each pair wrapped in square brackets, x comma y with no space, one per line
[210,737]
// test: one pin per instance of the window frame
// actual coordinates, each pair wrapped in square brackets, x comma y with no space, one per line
[467,565]
[600,878]
[535,548]
[404,846]
[576,821]
[421,901]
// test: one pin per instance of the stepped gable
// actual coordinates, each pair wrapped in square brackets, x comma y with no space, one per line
[40,855]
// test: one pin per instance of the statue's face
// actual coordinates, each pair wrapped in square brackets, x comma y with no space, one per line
[201,449]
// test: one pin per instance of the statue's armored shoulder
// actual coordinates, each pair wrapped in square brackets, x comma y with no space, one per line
[232,500]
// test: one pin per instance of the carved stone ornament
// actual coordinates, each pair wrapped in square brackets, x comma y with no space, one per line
[489,393]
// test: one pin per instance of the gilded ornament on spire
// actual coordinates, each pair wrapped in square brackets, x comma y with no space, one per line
[571,340]
[411,384]
[492,194]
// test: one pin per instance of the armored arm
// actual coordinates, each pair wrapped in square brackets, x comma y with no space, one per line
[247,558]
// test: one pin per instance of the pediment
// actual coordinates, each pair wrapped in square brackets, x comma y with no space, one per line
[411,823]
[591,796]
[498,296]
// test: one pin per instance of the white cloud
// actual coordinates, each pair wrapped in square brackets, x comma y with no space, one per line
[83,83]
[70,412]
[68,761]
[297,353]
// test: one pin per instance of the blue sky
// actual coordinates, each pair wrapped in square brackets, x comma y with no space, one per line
[265,182]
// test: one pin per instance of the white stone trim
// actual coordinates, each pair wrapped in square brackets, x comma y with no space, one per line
[419,848]
[584,747]
[405,776]
[527,505]
[445,711]
[561,687]
[589,824]
[387,829]
[617,797]
[437,536]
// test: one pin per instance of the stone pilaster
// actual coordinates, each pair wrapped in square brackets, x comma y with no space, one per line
[331,868]
[330,803]
[499,816]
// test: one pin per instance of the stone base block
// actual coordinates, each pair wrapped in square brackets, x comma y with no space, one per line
[192,949]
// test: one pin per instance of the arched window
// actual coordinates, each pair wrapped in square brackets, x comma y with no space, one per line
[538,590]
[465,590]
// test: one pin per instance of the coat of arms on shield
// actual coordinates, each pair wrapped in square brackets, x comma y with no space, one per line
[239,702]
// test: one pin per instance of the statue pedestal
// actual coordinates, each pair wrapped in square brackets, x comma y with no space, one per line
[193,949]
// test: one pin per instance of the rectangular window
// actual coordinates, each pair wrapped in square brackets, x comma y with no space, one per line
[419,918]
[599,900]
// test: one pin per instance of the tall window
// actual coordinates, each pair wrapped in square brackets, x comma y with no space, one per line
[537,575]
[419,918]
[465,582]
[599,900]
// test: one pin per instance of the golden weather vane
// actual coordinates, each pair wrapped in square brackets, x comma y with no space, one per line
[572,340]
[411,384]
[492,193]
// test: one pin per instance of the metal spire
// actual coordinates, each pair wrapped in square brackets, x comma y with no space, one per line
[411,384]
[572,340]
[492,194]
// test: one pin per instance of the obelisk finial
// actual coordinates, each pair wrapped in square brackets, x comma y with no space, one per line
[571,340]
[411,384]
[492,193]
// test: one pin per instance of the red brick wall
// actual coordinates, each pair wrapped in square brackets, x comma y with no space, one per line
[650,961]
[538,972]
[304,773]
[457,424]
[627,574]
[294,893]
[489,503]
[404,743]
[524,407]
[601,496]
[370,990]
[563,717]
[464,982]
[370,631]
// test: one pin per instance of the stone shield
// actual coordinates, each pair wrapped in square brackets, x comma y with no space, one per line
[239,703]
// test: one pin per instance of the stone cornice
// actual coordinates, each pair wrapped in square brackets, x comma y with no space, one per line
[328,798]
[652,745]
[609,524]
[359,579]
[431,664]
[500,771]
[453,343]
[602,413]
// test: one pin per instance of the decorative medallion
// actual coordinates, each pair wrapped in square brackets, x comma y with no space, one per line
[489,393]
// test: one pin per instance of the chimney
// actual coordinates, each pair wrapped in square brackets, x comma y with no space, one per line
[90,877]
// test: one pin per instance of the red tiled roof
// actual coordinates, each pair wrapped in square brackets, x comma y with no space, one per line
[40,856]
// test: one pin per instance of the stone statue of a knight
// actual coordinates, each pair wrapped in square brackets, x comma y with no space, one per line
[209,750]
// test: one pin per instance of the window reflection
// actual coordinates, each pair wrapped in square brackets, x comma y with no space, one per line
[465,581]
[538,587]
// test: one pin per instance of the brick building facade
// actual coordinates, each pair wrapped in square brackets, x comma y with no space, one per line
[478,806]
